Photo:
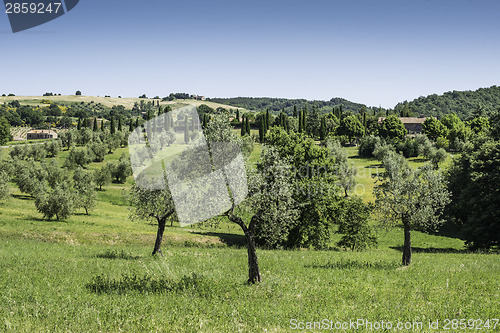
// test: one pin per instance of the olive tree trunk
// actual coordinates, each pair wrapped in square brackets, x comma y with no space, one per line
[159,236]
[253,264]
[407,243]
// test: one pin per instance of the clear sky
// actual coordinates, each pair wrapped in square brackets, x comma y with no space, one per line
[377,52]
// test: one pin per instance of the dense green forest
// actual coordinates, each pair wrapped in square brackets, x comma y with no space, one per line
[464,103]
[278,104]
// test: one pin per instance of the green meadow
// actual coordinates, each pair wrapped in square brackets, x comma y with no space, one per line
[96,273]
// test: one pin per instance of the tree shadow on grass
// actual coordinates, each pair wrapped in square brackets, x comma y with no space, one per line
[115,254]
[355,264]
[40,219]
[231,240]
[432,250]
[419,160]
[22,196]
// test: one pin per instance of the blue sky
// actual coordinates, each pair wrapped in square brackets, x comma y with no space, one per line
[377,52]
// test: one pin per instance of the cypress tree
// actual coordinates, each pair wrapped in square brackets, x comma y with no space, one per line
[300,122]
[102,125]
[304,121]
[387,113]
[131,125]
[148,115]
[79,125]
[238,115]
[136,122]
[247,126]
[295,111]
[341,111]
[261,129]
[120,125]
[268,119]
[95,124]
[204,121]
[322,133]
[160,111]
[112,126]
[243,126]
[364,120]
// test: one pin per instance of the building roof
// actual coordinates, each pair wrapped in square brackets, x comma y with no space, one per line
[406,120]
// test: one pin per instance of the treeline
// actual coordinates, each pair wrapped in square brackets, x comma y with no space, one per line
[287,105]
[463,103]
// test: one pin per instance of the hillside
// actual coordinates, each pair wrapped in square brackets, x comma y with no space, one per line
[109,102]
[463,103]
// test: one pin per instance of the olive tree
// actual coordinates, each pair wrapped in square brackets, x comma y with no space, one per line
[4,184]
[149,203]
[57,202]
[414,198]
[84,186]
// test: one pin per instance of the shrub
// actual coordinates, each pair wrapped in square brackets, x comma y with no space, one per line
[381,150]
[99,150]
[352,218]
[52,148]
[409,148]
[79,157]
[367,145]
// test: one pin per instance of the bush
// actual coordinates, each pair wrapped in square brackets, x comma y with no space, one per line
[79,157]
[38,152]
[352,218]
[52,148]
[367,145]
[20,152]
[442,142]
[409,148]
[29,176]
[99,150]
[381,150]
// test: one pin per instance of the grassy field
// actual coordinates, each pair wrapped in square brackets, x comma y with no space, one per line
[95,273]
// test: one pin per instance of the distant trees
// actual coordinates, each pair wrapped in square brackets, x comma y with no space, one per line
[80,156]
[4,131]
[434,129]
[78,93]
[351,127]
[414,198]
[392,128]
